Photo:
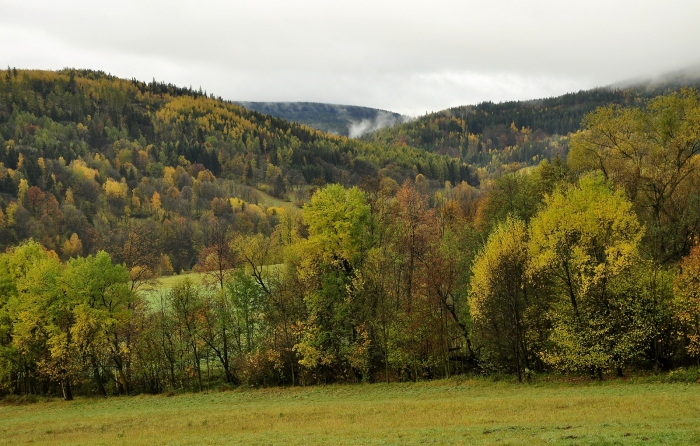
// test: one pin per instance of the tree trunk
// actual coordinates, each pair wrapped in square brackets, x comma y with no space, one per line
[67,393]
[98,378]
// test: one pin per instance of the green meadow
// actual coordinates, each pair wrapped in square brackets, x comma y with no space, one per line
[453,411]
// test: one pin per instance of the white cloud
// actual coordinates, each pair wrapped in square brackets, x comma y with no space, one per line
[404,56]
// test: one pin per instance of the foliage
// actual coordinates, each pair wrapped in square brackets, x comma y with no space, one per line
[587,239]
[654,154]
[687,300]
[501,293]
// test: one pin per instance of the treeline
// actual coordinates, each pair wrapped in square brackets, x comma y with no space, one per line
[589,267]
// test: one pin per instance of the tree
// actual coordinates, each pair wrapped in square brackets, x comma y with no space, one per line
[104,307]
[586,239]
[72,247]
[654,154]
[188,306]
[136,246]
[339,221]
[43,315]
[687,301]
[500,295]
[217,258]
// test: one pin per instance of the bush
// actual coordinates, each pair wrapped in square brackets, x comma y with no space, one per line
[684,375]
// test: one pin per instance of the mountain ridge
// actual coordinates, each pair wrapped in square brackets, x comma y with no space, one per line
[341,119]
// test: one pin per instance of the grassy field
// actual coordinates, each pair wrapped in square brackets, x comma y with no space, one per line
[268,200]
[475,411]
[167,283]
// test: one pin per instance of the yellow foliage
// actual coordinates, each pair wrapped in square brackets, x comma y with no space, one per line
[237,204]
[135,202]
[166,266]
[114,189]
[169,175]
[155,201]
[69,196]
[22,189]
[72,247]
[205,176]
[687,300]
[11,209]
[273,210]
[81,170]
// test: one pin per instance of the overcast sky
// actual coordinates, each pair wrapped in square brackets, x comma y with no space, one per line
[405,56]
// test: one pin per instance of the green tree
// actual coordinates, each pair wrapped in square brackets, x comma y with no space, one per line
[654,154]
[104,307]
[339,222]
[586,240]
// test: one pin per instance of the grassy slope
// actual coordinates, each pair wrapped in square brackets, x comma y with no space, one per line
[453,412]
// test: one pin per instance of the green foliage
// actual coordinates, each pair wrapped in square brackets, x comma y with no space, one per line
[654,154]
[587,239]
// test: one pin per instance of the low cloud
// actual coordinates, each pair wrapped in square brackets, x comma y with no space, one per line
[383,119]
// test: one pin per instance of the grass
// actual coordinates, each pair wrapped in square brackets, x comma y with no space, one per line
[164,284]
[268,200]
[473,411]
[167,283]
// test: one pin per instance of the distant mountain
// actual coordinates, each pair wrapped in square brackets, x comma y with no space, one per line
[687,77]
[345,120]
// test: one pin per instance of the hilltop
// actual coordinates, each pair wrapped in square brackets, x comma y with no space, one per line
[345,120]
[515,134]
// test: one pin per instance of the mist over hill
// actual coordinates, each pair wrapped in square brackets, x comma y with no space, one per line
[346,120]
[516,134]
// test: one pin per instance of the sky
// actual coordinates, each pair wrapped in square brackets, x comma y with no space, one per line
[407,56]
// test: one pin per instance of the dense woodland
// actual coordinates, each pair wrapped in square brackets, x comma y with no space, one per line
[508,136]
[388,262]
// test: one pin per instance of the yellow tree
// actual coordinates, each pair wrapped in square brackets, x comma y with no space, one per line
[586,240]
[687,301]
[500,295]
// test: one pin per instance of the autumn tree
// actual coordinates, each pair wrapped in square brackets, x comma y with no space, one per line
[137,246]
[104,307]
[500,296]
[687,301]
[586,239]
[217,258]
[338,222]
[654,155]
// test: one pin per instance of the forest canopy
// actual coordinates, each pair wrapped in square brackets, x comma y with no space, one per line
[327,259]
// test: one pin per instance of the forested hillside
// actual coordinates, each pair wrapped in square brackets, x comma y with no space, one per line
[397,270]
[345,120]
[510,135]
[90,154]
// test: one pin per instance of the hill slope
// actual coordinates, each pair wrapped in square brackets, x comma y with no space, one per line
[345,120]
[88,154]
[520,133]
